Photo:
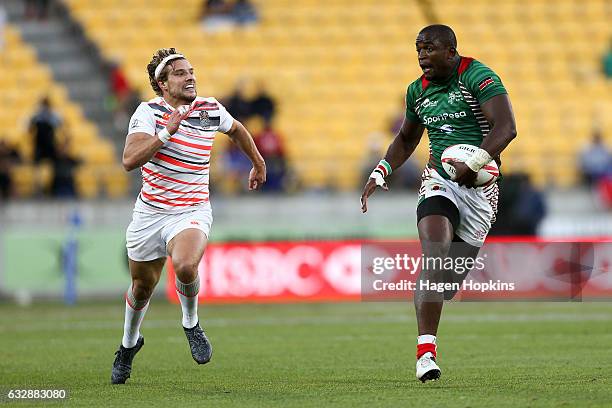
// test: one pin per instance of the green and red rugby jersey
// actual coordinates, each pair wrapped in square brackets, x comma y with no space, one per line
[450,110]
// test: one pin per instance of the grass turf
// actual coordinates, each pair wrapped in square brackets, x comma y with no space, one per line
[316,355]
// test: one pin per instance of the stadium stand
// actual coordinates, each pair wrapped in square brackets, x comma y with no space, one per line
[22,90]
[339,68]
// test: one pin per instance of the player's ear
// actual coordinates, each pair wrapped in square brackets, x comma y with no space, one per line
[452,51]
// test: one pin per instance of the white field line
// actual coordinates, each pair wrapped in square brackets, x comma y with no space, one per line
[307,320]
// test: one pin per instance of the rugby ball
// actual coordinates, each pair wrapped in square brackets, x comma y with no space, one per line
[460,153]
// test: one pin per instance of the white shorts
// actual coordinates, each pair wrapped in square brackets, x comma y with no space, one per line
[148,235]
[477,206]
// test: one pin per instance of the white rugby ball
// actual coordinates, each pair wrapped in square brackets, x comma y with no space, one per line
[460,153]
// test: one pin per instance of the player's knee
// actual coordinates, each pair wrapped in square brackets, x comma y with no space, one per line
[435,243]
[143,288]
[185,270]
[435,249]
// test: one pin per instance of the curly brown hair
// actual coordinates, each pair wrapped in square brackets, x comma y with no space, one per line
[155,60]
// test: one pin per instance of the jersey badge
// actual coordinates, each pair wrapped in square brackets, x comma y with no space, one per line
[454,96]
[205,119]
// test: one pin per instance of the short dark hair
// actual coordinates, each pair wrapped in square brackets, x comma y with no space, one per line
[155,60]
[442,33]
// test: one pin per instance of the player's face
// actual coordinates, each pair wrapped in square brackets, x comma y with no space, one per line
[182,81]
[435,58]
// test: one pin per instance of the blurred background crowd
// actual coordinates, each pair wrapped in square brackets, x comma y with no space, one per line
[319,84]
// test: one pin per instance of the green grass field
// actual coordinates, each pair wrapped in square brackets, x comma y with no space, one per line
[317,355]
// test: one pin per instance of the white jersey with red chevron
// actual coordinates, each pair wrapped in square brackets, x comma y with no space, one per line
[176,178]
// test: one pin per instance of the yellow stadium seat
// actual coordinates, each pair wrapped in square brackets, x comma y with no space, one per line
[340,71]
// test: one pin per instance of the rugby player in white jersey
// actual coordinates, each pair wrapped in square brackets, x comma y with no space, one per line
[170,138]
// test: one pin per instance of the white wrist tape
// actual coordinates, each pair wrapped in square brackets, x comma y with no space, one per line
[164,135]
[382,170]
[380,180]
[480,158]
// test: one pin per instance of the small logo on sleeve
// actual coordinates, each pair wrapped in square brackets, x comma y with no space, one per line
[134,124]
[485,82]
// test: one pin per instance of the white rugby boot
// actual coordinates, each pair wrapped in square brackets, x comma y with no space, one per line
[426,368]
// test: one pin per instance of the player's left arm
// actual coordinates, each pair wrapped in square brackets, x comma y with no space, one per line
[498,112]
[241,137]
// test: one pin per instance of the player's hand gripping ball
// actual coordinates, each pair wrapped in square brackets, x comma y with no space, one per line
[460,153]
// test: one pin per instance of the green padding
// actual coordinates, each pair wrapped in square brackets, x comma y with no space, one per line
[33,262]
[32,257]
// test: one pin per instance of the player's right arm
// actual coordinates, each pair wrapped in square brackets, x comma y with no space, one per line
[142,142]
[398,152]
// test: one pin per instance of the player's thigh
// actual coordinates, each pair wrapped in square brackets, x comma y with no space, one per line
[478,208]
[144,241]
[187,237]
[187,247]
[437,219]
[147,272]
[437,211]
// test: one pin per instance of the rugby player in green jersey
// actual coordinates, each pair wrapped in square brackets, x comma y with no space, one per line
[458,100]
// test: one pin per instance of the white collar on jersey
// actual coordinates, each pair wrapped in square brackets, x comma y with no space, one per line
[163,63]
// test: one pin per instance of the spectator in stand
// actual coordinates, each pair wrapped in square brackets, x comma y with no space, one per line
[263,104]
[216,16]
[237,104]
[43,127]
[120,95]
[133,100]
[269,142]
[3,20]
[64,166]
[8,158]
[407,177]
[244,13]
[237,167]
[530,209]
[521,207]
[607,62]
[37,9]
[120,87]
[595,160]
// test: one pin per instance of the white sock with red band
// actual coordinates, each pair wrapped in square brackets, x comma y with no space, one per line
[134,313]
[188,296]
[426,343]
